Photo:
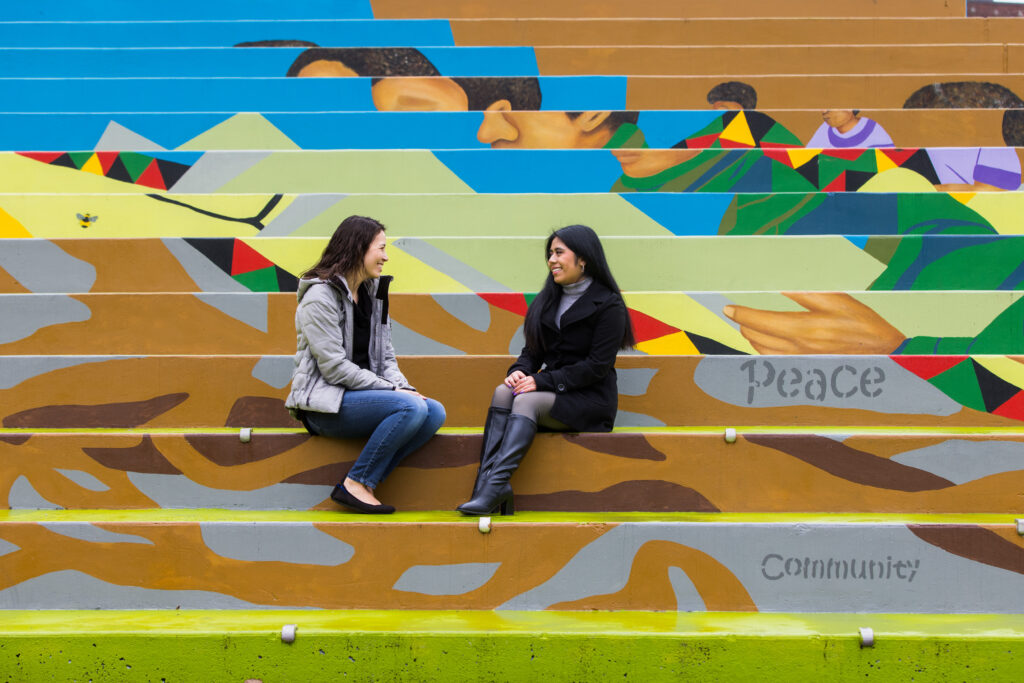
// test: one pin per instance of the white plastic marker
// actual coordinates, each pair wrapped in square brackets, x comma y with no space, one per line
[288,633]
[484,525]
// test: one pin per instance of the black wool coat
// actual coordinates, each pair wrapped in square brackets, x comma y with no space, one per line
[578,361]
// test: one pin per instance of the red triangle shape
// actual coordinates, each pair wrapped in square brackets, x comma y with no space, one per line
[106,160]
[927,367]
[847,154]
[780,156]
[45,157]
[733,144]
[778,145]
[702,142]
[646,328]
[899,156]
[513,302]
[245,259]
[837,185]
[1013,409]
[151,177]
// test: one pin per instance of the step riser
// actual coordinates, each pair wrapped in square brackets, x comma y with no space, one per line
[167,392]
[584,473]
[929,568]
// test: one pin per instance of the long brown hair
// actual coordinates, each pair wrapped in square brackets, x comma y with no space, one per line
[346,249]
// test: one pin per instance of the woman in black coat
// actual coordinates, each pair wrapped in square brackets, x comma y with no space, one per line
[564,379]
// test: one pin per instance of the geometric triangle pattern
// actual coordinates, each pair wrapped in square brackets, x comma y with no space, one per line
[745,129]
[244,264]
[128,167]
[968,383]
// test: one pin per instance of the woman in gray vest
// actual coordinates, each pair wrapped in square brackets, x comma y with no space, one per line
[346,381]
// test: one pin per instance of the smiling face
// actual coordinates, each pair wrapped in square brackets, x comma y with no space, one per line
[566,268]
[375,257]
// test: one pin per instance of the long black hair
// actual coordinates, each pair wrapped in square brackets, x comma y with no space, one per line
[346,249]
[583,242]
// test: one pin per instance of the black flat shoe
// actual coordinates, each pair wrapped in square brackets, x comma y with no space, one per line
[341,495]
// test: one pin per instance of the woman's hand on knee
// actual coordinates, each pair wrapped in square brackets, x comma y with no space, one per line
[513,378]
[525,384]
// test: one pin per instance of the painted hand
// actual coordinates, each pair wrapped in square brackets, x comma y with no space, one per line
[834,322]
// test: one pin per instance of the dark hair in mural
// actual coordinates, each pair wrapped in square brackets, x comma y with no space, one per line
[974,95]
[376,62]
[584,242]
[522,92]
[276,43]
[734,91]
[614,120]
[345,251]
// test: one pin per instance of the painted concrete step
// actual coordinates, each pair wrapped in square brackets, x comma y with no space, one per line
[412,645]
[559,93]
[759,469]
[175,392]
[510,171]
[436,130]
[518,31]
[193,559]
[518,61]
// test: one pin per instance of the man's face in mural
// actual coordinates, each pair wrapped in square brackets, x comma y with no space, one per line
[643,163]
[726,105]
[503,128]
[419,93]
[842,120]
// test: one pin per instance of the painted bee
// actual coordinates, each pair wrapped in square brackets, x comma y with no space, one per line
[85,220]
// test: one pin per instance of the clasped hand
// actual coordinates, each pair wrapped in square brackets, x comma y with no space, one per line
[520,383]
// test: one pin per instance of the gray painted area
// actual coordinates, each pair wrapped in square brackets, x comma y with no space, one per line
[275,371]
[875,383]
[962,461]
[687,597]
[469,308]
[72,589]
[85,531]
[715,302]
[41,266]
[446,579]
[634,381]
[625,418]
[942,582]
[408,342]
[117,138]
[213,170]
[449,265]
[292,542]
[251,309]
[85,480]
[6,547]
[176,491]
[25,314]
[300,211]
[16,369]
[515,347]
[207,276]
[23,496]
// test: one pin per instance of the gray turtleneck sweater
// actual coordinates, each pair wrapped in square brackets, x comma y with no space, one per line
[570,294]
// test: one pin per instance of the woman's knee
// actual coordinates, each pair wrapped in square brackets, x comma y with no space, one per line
[503,397]
[436,413]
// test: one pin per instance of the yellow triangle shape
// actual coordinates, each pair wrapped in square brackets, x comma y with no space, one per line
[675,344]
[739,131]
[883,162]
[9,227]
[93,165]
[962,197]
[799,157]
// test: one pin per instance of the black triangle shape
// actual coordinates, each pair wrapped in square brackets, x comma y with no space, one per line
[994,391]
[171,171]
[856,179]
[286,282]
[759,125]
[64,160]
[920,163]
[118,171]
[710,347]
[810,171]
[218,249]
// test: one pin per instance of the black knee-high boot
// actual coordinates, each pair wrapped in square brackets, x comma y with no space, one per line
[494,432]
[495,492]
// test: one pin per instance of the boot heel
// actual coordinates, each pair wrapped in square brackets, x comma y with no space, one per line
[507,507]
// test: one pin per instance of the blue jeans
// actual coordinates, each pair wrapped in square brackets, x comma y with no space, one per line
[397,422]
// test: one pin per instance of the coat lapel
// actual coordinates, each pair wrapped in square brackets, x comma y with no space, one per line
[592,299]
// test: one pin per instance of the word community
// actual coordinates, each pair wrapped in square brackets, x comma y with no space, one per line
[775,567]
